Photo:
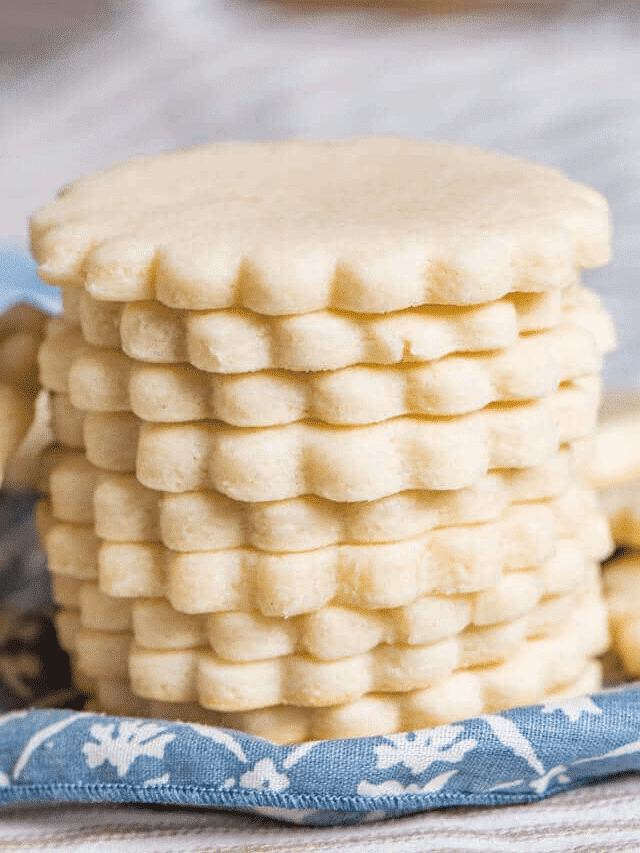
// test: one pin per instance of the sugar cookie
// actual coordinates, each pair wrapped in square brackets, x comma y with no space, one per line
[399,223]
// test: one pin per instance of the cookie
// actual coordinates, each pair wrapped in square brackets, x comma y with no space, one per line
[290,584]
[621,582]
[123,510]
[399,223]
[23,464]
[303,681]
[614,458]
[99,320]
[107,380]
[67,421]
[22,329]
[338,631]
[283,462]
[461,696]
[16,413]
[622,506]
[241,342]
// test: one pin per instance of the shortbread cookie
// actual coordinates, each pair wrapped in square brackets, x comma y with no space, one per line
[622,506]
[123,510]
[337,631]
[191,675]
[446,560]
[614,458]
[71,297]
[64,342]
[398,223]
[25,465]
[67,421]
[107,380]
[290,584]
[22,329]
[99,320]
[461,696]
[241,342]
[360,463]
[24,413]
[16,413]
[111,440]
[621,581]
[100,323]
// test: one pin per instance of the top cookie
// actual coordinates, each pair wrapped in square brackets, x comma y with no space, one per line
[370,225]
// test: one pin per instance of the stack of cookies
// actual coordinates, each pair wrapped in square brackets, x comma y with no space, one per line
[321,403]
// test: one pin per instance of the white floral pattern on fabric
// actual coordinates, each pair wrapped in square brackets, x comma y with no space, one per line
[265,777]
[393,787]
[120,744]
[419,750]
[572,708]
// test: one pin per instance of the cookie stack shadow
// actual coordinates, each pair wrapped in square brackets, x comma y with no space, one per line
[316,475]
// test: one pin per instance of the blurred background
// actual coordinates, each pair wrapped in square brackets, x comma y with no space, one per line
[85,83]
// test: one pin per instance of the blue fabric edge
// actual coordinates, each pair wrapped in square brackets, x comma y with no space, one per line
[185,795]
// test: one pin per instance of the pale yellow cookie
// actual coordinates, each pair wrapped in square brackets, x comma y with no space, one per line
[621,581]
[282,462]
[71,297]
[107,380]
[22,328]
[99,321]
[337,631]
[290,584]
[16,413]
[394,223]
[552,661]
[202,521]
[622,505]
[111,440]
[240,342]
[459,697]
[614,458]
[67,421]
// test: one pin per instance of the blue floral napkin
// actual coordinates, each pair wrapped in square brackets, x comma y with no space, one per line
[513,757]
